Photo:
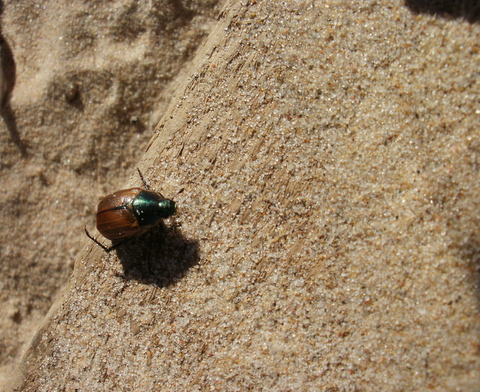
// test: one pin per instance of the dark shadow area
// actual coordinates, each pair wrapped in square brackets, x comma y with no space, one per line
[8,116]
[471,254]
[8,76]
[180,12]
[465,9]
[158,258]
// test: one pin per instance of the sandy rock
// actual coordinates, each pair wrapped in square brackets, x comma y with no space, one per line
[327,236]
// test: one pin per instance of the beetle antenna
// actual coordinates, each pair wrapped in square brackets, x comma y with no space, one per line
[143,180]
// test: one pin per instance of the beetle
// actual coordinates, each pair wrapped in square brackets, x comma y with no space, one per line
[130,213]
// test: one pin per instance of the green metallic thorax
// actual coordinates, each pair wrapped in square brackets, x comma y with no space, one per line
[149,207]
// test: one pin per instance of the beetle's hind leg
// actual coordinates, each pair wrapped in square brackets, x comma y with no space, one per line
[106,249]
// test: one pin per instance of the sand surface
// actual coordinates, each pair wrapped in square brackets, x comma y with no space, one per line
[327,236]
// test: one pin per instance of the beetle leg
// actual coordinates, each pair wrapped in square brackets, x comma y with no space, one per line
[100,244]
[143,180]
[163,228]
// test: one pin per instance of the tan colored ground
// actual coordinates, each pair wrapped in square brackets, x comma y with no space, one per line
[328,232]
[92,81]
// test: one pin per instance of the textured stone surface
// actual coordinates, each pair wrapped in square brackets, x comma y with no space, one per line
[328,231]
